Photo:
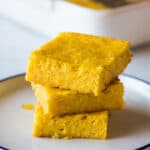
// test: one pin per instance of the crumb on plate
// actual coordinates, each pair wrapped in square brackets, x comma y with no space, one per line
[28,106]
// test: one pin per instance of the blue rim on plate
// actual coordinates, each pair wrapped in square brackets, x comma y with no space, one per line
[3,148]
[143,147]
[126,75]
[11,77]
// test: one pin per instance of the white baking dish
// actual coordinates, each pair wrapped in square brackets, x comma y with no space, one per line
[130,22]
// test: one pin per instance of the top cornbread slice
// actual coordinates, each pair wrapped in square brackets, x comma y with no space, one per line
[79,62]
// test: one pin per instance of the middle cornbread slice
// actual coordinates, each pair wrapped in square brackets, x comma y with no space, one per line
[58,102]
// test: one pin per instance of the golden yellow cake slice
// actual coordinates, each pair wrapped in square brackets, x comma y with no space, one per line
[89,4]
[86,125]
[79,62]
[58,102]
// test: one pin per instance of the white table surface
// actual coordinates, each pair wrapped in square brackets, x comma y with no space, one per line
[16,42]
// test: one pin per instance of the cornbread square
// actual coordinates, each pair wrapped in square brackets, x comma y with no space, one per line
[58,102]
[80,62]
[86,125]
[89,4]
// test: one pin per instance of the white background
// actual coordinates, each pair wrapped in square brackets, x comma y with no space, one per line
[17,40]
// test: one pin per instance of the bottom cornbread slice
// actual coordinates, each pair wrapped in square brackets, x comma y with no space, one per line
[86,125]
[58,102]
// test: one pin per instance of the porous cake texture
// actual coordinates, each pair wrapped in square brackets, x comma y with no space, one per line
[85,125]
[58,102]
[79,62]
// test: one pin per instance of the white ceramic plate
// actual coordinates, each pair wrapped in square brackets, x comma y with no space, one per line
[128,129]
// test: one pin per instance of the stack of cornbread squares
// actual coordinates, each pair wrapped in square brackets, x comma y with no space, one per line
[75,81]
